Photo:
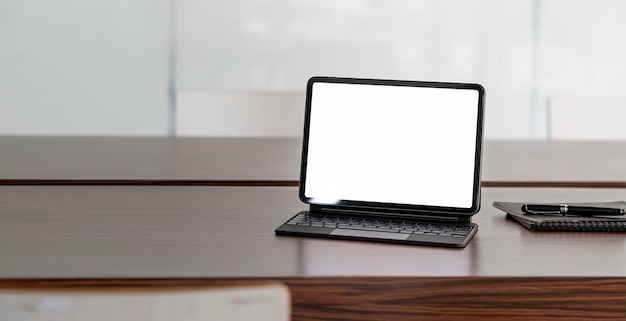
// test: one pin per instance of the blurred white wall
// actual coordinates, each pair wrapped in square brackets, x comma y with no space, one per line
[581,52]
[279,44]
[101,67]
[72,67]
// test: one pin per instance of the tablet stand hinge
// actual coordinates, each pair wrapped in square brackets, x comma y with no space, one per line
[414,215]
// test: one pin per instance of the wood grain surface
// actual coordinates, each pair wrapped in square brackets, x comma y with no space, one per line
[276,162]
[57,236]
[217,232]
[418,298]
[199,182]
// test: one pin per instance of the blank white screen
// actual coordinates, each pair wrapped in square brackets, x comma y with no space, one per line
[392,144]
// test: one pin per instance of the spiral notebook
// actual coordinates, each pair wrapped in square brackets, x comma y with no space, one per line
[562,223]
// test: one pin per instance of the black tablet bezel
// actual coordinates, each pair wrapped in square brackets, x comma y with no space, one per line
[401,209]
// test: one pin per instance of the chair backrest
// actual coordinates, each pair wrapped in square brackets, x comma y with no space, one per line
[240,114]
[267,301]
[587,118]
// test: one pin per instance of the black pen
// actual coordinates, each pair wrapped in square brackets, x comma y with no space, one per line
[577,210]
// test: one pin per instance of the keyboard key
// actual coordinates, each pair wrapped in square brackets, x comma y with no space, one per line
[374,229]
[381,225]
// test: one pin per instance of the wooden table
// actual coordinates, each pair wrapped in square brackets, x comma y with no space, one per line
[149,161]
[165,235]
[276,162]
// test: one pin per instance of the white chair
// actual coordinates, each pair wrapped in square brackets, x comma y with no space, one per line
[239,114]
[587,118]
[265,301]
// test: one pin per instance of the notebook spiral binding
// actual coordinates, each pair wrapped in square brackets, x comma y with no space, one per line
[581,226]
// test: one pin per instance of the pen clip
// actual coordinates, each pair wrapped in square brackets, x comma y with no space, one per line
[563,209]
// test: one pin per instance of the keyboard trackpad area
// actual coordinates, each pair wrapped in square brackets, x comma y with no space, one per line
[370,234]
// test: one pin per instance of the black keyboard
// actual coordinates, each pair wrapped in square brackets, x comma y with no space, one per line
[380,225]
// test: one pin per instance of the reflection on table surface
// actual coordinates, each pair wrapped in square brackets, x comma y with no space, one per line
[225,232]
[328,258]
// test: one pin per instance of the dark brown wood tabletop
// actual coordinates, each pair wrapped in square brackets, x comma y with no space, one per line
[276,162]
[164,235]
